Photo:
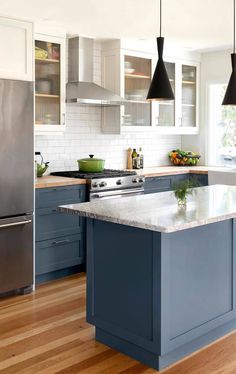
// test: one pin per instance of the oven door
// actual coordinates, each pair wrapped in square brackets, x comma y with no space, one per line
[115,193]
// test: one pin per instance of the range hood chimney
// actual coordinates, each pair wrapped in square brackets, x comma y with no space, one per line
[80,87]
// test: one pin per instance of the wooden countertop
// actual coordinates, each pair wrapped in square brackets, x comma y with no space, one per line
[54,181]
[156,171]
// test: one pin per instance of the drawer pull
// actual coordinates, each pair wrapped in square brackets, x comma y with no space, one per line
[58,242]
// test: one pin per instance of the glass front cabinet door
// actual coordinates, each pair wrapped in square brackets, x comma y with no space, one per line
[137,79]
[179,116]
[49,84]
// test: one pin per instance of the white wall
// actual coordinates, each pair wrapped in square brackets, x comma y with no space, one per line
[215,68]
[83,136]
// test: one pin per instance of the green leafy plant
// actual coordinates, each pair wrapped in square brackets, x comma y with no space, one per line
[184,188]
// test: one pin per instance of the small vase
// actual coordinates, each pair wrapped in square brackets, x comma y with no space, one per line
[182,201]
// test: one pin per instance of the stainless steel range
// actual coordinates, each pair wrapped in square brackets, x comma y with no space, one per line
[109,183]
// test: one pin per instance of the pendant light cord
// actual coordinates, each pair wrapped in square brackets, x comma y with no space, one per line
[234,26]
[161,15]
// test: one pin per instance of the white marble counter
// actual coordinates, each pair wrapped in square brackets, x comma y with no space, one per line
[160,212]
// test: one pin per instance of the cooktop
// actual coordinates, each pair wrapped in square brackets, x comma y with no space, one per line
[106,173]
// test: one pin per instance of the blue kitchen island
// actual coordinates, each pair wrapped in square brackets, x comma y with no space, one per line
[161,279]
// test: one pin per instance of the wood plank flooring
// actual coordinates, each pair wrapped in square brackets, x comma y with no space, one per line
[46,333]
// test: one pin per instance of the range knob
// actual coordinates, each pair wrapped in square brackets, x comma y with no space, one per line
[94,184]
[102,184]
[141,179]
[119,182]
[135,180]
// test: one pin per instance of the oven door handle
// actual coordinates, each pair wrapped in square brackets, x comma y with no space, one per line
[117,193]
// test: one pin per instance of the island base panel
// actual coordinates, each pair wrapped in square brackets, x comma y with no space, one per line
[159,297]
[161,362]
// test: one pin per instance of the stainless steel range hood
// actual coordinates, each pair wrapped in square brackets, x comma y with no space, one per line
[80,87]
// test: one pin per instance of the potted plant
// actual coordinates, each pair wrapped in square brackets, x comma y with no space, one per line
[183,189]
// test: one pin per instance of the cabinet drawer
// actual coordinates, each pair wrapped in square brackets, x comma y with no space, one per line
[157,184]
[202,179]
[59,253]
[51,224]
[180,178]
[46,197]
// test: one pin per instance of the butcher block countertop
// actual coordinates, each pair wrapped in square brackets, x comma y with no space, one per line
[155,171]
[54,181]
[158,171]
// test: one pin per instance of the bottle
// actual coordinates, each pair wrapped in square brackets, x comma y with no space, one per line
[134,155]
[137,162]
[141,158]
[129,159]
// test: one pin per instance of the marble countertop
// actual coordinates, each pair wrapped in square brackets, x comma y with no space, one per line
[160,212]
[54,181]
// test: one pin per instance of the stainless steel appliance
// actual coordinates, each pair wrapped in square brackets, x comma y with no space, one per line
[109,183]
[16,185]
[81,88]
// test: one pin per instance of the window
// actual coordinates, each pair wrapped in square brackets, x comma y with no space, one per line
[222,128]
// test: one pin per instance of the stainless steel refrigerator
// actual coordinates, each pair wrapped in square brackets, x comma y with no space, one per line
[16,185]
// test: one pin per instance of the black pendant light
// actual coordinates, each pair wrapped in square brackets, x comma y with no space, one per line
[160,88]
[230,95]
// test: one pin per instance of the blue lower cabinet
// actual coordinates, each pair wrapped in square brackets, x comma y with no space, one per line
[202,179]
[157,184]
[165,183]
[60,237]
[59,253]
[52,224]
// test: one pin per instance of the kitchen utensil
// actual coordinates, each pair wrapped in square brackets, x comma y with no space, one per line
[91,164]
[42,166]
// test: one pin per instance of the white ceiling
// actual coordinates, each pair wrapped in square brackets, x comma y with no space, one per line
[194,24]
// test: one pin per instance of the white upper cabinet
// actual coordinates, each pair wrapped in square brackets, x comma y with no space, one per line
[50,83]
[181,115]
[16,49]
[128,73]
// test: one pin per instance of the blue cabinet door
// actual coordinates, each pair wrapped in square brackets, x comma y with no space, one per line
[157,184]
[202,179]
[61,253]
[165,183]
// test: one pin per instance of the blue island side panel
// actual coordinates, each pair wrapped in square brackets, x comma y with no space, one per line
[158,297]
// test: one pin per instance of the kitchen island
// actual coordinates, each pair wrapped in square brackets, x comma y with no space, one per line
[161,279]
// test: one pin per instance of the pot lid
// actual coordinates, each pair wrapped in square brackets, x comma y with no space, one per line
[91,158]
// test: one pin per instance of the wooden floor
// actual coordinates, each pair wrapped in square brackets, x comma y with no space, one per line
[46,332]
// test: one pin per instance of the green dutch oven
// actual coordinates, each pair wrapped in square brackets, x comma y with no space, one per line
[91,164]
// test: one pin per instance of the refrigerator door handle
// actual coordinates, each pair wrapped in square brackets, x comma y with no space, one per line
[21,223]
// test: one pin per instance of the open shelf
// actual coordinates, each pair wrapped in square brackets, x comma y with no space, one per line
[47,96]
[188,82]
[190,105]
[137,101]
[137,76]
[46,61]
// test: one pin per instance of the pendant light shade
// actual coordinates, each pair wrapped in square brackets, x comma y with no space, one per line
[230,95]
[160,88]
